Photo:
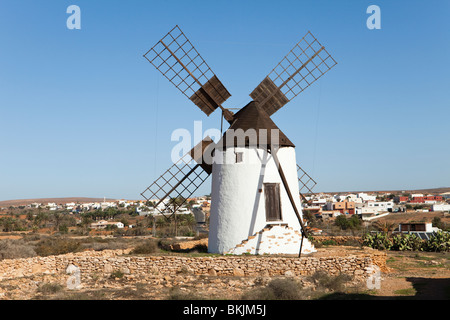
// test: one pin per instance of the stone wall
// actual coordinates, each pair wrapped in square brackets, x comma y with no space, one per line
[108,261]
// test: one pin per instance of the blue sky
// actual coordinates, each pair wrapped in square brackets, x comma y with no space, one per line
[82,113]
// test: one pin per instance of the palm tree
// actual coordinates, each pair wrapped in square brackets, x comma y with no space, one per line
[176,204]
[41,217]
[58,217]
[385,227]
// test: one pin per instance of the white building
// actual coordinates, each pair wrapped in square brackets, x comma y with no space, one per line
[319,201]
[366,211]
[380,206]
[102,224]
[441,207]
[105,205]
[365,197]
[52,206]
[413,227]
[348,197]
[374,208]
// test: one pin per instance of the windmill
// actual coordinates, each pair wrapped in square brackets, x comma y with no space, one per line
[255,202]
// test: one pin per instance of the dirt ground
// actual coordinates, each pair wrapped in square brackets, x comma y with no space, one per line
[404,217]
[410,276]
[416,275]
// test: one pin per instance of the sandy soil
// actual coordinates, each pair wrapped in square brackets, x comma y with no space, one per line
[416,275]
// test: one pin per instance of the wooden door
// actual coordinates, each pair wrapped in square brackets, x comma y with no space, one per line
[273,202]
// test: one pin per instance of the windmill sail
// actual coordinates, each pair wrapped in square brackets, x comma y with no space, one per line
[306,182]
[302,66]
[178,60]
[172,189]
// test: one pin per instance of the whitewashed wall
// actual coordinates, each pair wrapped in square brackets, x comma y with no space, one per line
[237,195]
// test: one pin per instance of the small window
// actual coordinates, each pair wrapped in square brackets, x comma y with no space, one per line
[239,157]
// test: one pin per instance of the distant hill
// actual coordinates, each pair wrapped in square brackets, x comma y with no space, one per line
[433,190]
[24,202]
[426,191]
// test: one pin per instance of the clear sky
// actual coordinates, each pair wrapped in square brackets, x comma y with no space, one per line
[82,112]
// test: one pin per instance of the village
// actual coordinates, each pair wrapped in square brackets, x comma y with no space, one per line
[373,206]
[81,217]
[111,215]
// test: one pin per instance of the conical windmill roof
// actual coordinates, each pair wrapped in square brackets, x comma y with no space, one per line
[256,125]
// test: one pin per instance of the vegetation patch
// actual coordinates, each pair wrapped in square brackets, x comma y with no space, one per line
[14,249]
[278,289]
[406,292]
[57,246]
[438,242]
[148,247]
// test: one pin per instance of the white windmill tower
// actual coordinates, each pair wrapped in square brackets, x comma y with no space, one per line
[255,196]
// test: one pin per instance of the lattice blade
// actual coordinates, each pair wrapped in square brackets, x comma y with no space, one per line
[176,185]
[306,182]
[302,66]
[178,60]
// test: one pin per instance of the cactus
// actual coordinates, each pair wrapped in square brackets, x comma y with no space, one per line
[378,241]
[406,242]
[439,242]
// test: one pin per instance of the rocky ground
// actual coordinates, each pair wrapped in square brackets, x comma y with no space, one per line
[411,275]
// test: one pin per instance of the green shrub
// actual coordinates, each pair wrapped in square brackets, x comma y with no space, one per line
[147,247]
[352,223]
[176,293]
[325,281]
[117,274]
[285,289]
[63,229]
[13,249]
[352,243]
[277,289]
[166,244]
[329,242]
[50,288]
[56,246]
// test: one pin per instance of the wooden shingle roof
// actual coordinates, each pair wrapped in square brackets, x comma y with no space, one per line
[252,126]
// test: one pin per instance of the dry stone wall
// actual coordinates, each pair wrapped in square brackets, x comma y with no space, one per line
[108,261]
